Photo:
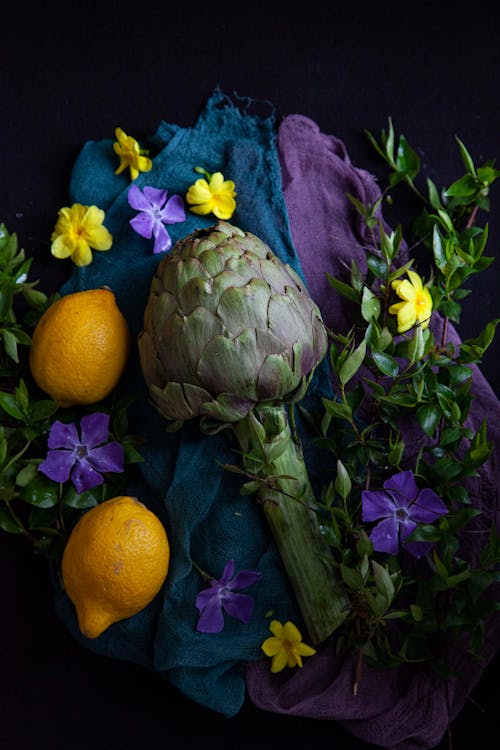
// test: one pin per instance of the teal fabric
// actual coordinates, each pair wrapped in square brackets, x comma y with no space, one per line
[207,519]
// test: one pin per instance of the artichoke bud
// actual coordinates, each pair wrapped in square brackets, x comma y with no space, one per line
[227,326]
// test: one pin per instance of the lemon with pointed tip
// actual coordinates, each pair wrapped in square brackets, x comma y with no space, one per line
[115,562]
[80,347]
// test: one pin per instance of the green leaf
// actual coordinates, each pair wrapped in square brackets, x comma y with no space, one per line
[465,187]
[370,305]
[343,483]
[383,581]
[351,578]
[40,410]
[337,409]
[434,198]
[466,157]
[7,523]
[407,160]
[344,289]
[40,492]
[385,363]
[352,363]
[10,342]
[26,475]
[428,417]
[81,501]
[9,404]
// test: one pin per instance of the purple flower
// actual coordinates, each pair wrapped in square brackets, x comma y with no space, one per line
[155,211]
[220,595]
[85,458]
[400,506]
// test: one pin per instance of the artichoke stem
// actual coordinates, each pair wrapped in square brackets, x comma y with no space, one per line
[273,454]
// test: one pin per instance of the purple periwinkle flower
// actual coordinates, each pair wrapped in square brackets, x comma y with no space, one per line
[400,506]
[154,212]
[85,457]
[221,595]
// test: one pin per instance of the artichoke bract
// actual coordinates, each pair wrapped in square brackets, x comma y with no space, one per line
[232,336]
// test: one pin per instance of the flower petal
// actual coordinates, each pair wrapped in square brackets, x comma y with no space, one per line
[82,254]
[63,435]
[137,199]
[57,465]
[174,211]
[385,537]
[211,619]
[84,476]
[243,579]
[428,507]
[303,649]
[403,486]
[279,661]
[199,192]
[227,573]
[143,224]
[239,606]
[376,504]
[101,239]
[224,206]
[162,241]
[291,632]
[156,196]
[107,458]
[276,629]
[407,291]
[415,279]
[272,646]
[94,429]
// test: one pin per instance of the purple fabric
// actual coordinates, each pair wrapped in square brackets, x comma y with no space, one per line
[401,708]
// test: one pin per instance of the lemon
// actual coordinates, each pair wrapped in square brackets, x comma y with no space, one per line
[80,347]
[115,562]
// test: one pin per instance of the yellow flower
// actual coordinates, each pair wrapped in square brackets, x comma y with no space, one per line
[130,155]
[285,647]
[212,195]
[416,306]
[78,229]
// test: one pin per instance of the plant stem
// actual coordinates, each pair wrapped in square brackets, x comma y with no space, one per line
[291,513]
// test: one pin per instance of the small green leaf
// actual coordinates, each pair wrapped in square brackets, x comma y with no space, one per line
[343,483]
[385,363]
[428,417]
[344,289]
[370,305]
[7,522]
[40,492]
[407,160]
[466,157]
[352,363]
[9,404]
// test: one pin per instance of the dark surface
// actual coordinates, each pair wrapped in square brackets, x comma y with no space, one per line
[72,73]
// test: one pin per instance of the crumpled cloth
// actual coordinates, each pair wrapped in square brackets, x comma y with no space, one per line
[404,708]
[291,185]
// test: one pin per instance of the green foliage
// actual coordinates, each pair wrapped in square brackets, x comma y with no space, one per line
[31,505]
[387,383]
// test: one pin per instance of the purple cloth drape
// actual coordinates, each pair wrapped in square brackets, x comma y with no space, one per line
[403,708]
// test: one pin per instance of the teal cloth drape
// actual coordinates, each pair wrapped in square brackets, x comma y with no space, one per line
[207,519]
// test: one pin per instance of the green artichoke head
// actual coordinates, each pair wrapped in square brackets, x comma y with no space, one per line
[227,326]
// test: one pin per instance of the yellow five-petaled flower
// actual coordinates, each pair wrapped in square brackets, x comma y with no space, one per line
[285,647]
[131,155]
[416,306]
[212,195]
[78,230]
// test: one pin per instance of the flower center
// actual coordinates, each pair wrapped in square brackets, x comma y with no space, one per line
[81,451]
[420,302]
[401,515]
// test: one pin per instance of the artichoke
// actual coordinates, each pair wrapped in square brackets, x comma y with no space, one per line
[231,336]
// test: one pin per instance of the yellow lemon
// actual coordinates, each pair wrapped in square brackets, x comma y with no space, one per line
[80,347]
[115,562]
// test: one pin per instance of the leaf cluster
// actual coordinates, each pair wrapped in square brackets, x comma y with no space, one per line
[31,505]
[402,402]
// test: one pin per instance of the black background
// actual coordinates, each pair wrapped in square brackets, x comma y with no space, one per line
[72,72]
